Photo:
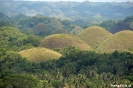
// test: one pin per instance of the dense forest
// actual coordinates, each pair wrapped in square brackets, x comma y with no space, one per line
[75,69]
[66,44]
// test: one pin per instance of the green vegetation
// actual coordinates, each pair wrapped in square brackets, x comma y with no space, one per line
[43,26]
[108,24]
[41,30]
[74,69]
[120,41]
[129,20]
[120,26]
[28,23]
[12,39]
[39,54]
[94,35]
[5,23]
[64,40]
[72,51]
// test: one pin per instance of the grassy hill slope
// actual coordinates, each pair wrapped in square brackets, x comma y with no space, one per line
[94,35]
[40,54]
[77,30]
[41,29]
[121,41]
[64,40]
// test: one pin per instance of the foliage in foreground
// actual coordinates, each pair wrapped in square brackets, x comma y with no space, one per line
[75,69]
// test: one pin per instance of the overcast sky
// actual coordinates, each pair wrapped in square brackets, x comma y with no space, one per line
[84,0]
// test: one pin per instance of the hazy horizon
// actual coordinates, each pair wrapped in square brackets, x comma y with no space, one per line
[85,0]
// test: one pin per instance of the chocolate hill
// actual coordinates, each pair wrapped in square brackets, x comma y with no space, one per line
[121,41]
[94,35]
[64,40]
[39,54]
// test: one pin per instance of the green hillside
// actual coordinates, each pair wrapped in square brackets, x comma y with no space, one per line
[66,44]
[39,54]
[121,41]
[64,40]
[10,36]
[129,20]
[94,35]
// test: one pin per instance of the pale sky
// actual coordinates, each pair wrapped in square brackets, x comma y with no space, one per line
[88,0]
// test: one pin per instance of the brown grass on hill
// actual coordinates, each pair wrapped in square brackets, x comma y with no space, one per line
[56,24]
[77,30]
[64,40]
[41,29]
[94,35]
[40,54]
[121,41]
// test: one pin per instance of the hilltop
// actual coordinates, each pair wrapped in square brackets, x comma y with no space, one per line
[94,35]
[64,40]
[41,29]
[69,10]
[121,41]
[39,54]
[77,30]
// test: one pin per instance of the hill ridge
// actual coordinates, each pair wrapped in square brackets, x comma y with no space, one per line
[94,35]
[121,41]
[39,54]
[64,40]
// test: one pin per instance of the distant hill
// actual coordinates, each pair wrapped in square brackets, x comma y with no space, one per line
[77,30]
[69,10]
[121,41]
[55,24]
[129,21]
[94,35]
[108,24]
[120,26]
[41,25]
[41,29]
[39,54]
[60,31]
[64,40]
[3,17]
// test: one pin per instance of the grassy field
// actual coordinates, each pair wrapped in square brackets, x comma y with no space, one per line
[121,41]
[39,54]
[94,35]
[64,40]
